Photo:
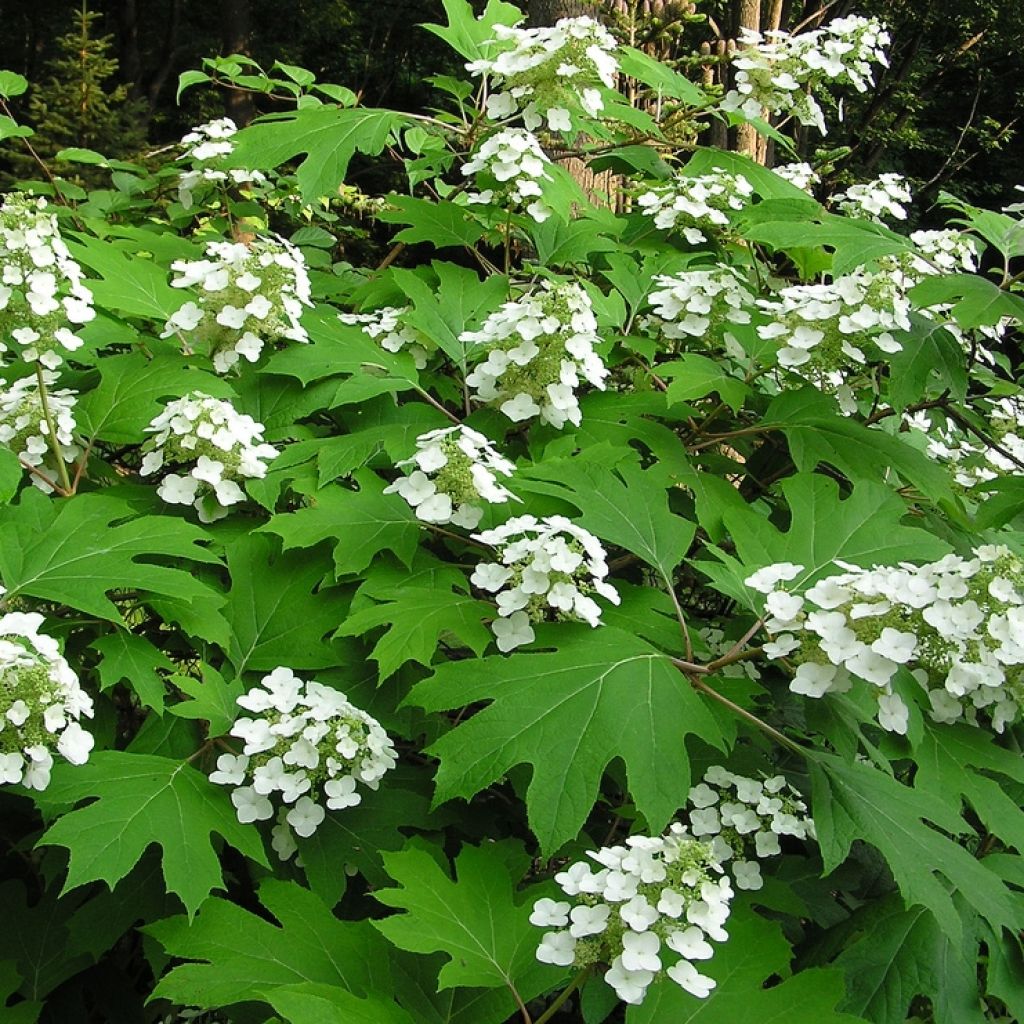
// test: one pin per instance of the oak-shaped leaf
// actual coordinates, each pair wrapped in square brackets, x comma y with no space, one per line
[139,799]
[856,801]
[238,956]
[77,551]
[475,917]
[604,694]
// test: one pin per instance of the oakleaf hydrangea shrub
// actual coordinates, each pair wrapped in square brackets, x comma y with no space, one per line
[25,431]
[648,910]
[43,296]
[41,704]
[539,350]
[496,555]
[307,743]
[546,568]
[886,196]
[219,446]
[548,74]
[743,819]
[956,625]
[457,473]
[249,294]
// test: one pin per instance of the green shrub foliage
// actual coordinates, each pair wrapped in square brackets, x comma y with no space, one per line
[607,603]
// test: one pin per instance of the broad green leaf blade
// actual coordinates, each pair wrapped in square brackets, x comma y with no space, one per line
[280,613]
[475,918]
[619,502]
[932,361]
[465,32]
[900,953]
[140,799]
[133,659]
[416,989]
[75,552]
[867,528]
[441,223]
[604,694]
[129,286]
[660,77]
[361,523]
[213,699]
[328,135]
[754,954]
[416,618]
[313,1003]
[855,801]
[817,433]
[129,394]
[976,301]
[694,376]
[239,950]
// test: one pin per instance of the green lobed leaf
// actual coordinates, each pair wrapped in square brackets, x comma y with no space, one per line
[212,699]
[465,32]
[140,799]
[311,1003]
[855,801]
[237,950]
[361,523]
[416,618]
[694,376]
[128,657]
[329,137]
[76,552]
[280,613]
[602,695]
[976,301]
[474,918]
[441,223]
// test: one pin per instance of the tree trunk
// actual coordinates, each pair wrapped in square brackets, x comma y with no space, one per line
[547,12]
[234,21]
[747,138]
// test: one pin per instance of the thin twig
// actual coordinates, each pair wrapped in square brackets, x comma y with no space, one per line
[563,996]
[51,429]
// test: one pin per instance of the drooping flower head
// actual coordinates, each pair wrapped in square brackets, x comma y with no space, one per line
[539,350]
[218,446]
[456,474]
[550,73]
[24,430]
[41,703]
[547,568]
[648,910]
[511,169]
[43,296]
[307,743]
[696,204]
[247,295]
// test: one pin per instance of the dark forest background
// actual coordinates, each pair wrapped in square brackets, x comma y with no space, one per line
[949,113]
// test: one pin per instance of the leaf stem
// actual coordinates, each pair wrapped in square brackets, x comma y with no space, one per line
[51,432]
[436,404]
[768,730]
[573,985]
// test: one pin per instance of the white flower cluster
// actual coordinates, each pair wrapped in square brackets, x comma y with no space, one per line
[539,348]
[821,327]
[802,175]
[513,165]
[873,200]
[549,73]
[222,445]
[943,252]
[956,624]
[307,743]
[971,460]
[207,147]
[42,289]
[385,326]
[248,293]
[743,818]
[696,204]
[23,426]
[778,71]
[701,303]
[41,703]
[652,901]
[547,565]
[456,473]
